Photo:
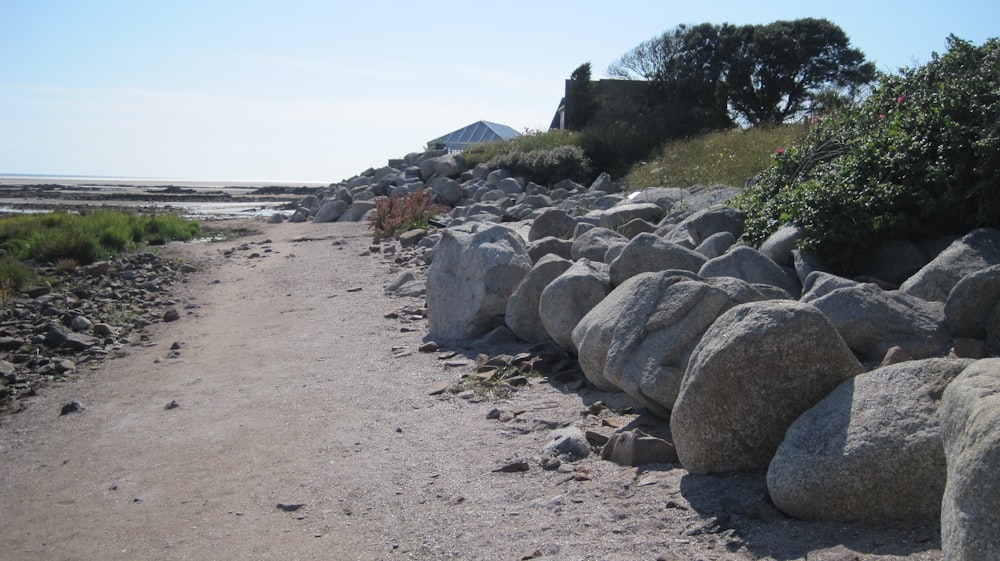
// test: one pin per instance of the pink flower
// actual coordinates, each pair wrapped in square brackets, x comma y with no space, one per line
[815,120]
[901,99]
[779,151]
[881,116]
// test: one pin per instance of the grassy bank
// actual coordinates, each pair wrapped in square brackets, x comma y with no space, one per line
[67,240]
[718,158]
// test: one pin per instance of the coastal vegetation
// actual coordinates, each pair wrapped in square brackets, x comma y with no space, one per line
[67,239]
[916,156]
[919,156]
[395,214]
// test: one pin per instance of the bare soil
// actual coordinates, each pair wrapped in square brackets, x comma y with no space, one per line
[294,422]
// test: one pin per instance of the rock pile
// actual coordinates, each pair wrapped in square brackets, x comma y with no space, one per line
[55,331]
[761,358]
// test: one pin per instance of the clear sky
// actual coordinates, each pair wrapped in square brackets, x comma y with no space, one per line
[322,90]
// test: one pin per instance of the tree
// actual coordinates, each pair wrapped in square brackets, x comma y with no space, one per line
[756,73]
[580,106]
[780,67]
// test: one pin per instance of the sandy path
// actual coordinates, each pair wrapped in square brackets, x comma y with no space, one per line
[290,392]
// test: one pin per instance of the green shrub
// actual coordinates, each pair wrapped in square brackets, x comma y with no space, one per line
[543,157]
[725,157]
[395,214]
[545,166]
[87,237]
[14,276]
[920,156]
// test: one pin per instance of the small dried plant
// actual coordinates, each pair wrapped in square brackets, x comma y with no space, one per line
[394,214]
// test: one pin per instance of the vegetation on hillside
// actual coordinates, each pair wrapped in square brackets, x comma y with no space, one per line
[730,157]
[919,156]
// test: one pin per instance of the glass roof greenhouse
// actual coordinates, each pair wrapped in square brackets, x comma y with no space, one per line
[480,131]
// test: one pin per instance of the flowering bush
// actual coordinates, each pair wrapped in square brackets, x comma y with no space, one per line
[920,156]
[395,214]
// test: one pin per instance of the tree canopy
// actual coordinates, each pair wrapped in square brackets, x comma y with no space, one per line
[758,73]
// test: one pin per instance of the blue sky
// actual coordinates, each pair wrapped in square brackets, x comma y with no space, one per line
[320,91]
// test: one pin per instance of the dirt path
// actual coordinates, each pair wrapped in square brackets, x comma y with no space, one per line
[294,389]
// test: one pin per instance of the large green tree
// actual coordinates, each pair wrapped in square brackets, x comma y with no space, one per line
[754,73]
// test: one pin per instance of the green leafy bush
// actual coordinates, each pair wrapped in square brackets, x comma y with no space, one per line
[395,214]
[920,156]
[530,141]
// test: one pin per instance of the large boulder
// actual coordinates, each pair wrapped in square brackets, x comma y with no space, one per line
[970,431]
[569,297]
[473,273]
[756,370]
[872,321]
[778,247]
[522,315]
[549,245]
[969,304]
[593,334]
[748,264]
[651,253]
[447,190]
[869,451]
[707,222]
[330,211]
[552,222]
[654,332]
[977,250]
[622,214]
[594,243]
[446,165]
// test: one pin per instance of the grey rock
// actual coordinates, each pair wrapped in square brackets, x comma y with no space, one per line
[872,321]
[552,222]
[716,244]
[522,316]
[752,266]
[80,323]
[621,214]
[969,303]
[977,250]
[568,440]
[594,243]
[778,246]
[330,211]
[569,297]
[603,184]
[636,448]
[970,432]
[819,284]
[634,227]
[549,245]
[655,328]
[447,190]
[473,273]
[869,451]
[445,165]
[704,223]
[757,369]
[407,285]
[651,253]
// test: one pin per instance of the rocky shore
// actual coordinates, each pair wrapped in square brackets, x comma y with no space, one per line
[79,318]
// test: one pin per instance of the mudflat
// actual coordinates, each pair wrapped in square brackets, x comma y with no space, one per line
[294,421]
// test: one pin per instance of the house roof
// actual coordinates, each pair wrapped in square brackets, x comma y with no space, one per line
[480,131]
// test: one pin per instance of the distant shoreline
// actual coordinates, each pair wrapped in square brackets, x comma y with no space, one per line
[192,198]
[70,181]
